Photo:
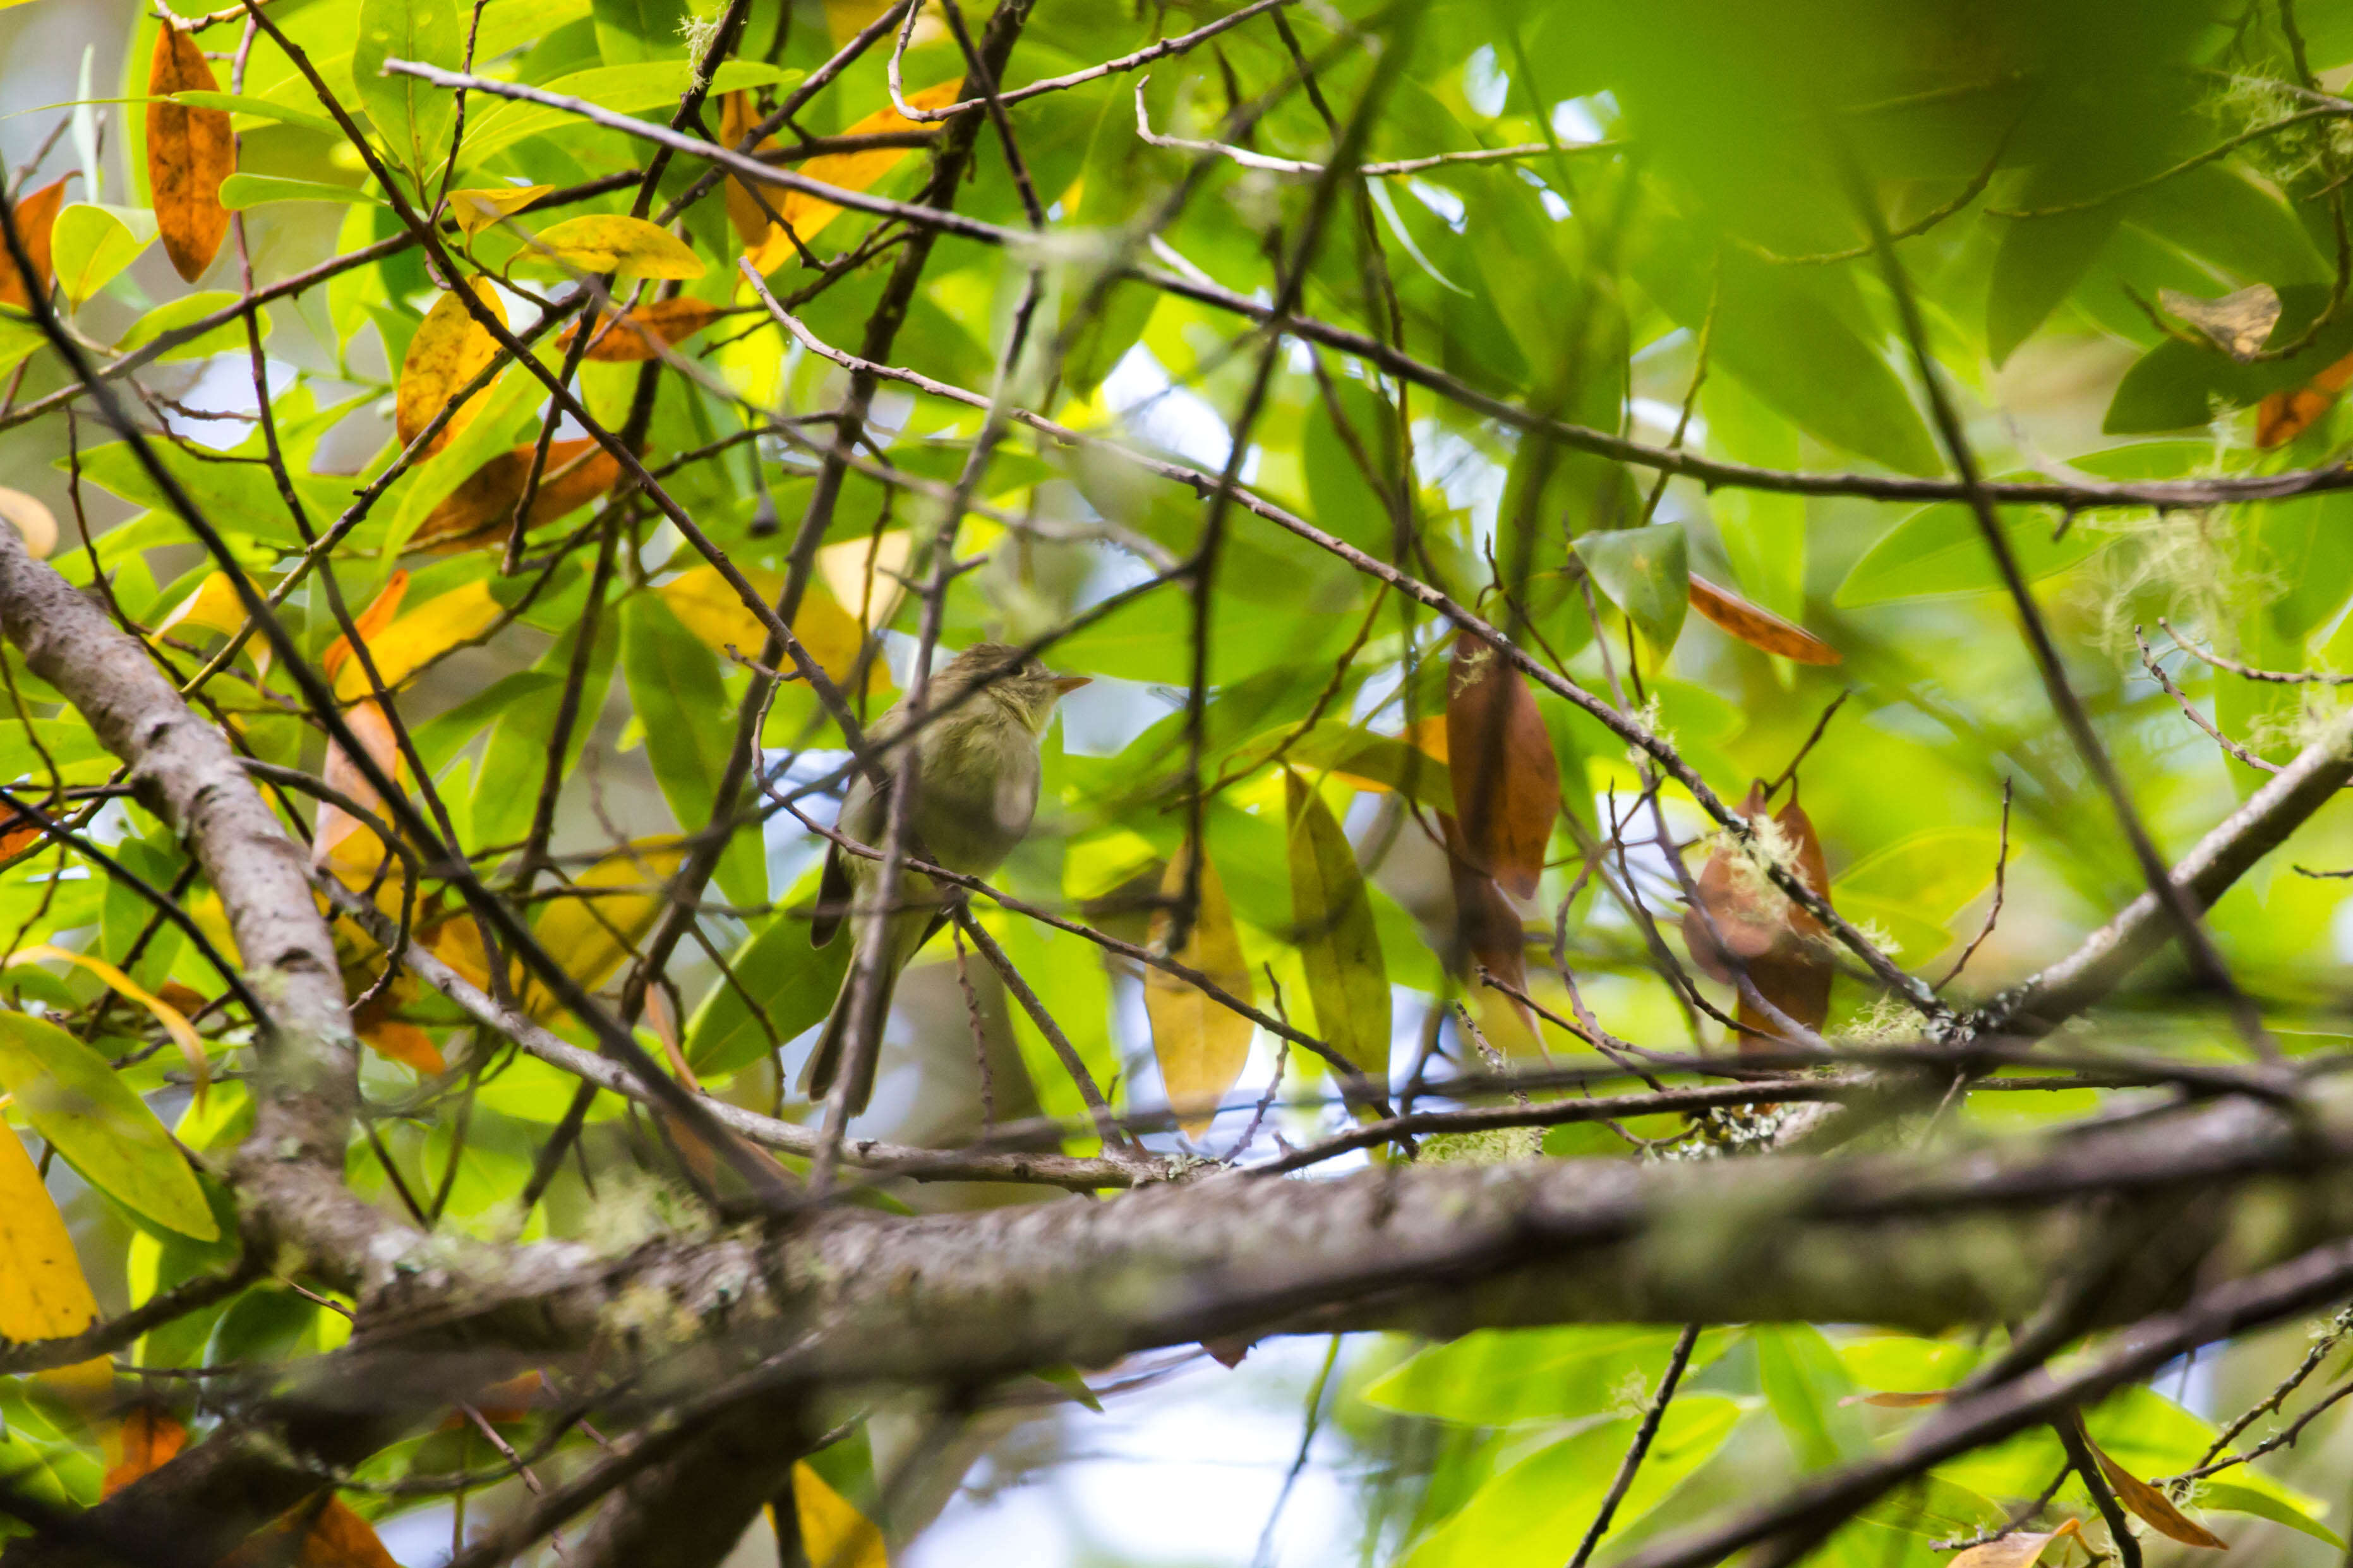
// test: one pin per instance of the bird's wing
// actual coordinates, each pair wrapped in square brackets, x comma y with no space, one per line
[833,895]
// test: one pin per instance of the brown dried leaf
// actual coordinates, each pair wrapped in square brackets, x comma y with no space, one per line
[1775,940]
[2283,416]
[189,152]
[479,511]
[1506,778]
[337,1538]
[1759,627]
[145,1440]
[1885,1401]
[450,347]
[36,215]
[2237,323]
[2152,1504]
[2020,1549]
[633,335]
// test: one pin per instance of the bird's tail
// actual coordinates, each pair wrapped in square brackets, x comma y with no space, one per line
[825,1063]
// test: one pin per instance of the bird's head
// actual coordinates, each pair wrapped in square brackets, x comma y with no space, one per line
[1018,680]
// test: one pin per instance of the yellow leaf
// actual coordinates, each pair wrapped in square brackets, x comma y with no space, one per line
[175,1023]
[214,606]
[416,638]
[189,152]
[834,1534]
[2020,1549]
[36,522]
[370,621]
[737,116]
[450,347]
[2152,1504]
[43,1292]
[807,213]
[593,937]
[1202,1045]
[476,210]
[708,607]
[611,242]
[867,576]
[1347,979]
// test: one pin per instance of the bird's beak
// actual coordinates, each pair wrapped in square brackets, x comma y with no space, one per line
[1066,684]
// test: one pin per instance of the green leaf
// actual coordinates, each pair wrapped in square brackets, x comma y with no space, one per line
[172,315]
[689,725]
[1764,532]
[1646,573]
[239,192]
[74,1099]
[2038,266]
[412,117]
[2176,384]
[1533,1513]
[1347,979]
[1932,1506]
[629,31]
[1938,550]
[624,89]
[793,983]
[1915,885]
[1499,1377]
[91,243]
[263,109]
[1804,1383]
[516,756]
[2272,1503]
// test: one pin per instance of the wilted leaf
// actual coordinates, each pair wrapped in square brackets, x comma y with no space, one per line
[2152,1505]
[632,335]
[593,936]
[1898,1401]
[1347,979]
[476,210]
[43,1293]
[35,213]
[407,645]
[1775,940]
[145,1440]
[479,510]
[1202,1046]
[2239,323]
[2020,1549]
[189,152]
[704,604]
[1758,626]
[850,171]
[834,1534]
[89,244]
[1646,573]
[2282,416]
[74,1099]
[33,521]
[1506,778]
[612,242]
[450,347]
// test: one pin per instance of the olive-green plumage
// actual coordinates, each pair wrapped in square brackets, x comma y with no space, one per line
[977,789]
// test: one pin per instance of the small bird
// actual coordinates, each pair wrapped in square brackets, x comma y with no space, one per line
[977,789]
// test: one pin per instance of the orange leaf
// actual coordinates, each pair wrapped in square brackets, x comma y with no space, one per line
[2283,416]
[1759,627]
[398,1039]
[478,510]
[2152,1504]
[145,1439]
[851,171]
[450,347]
[35,215]
[370,621]
[509,1400]
[337,1538]
[340,838]
[1775,940]
[189,152]
[737,116]
[632,336]
[1506,779]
